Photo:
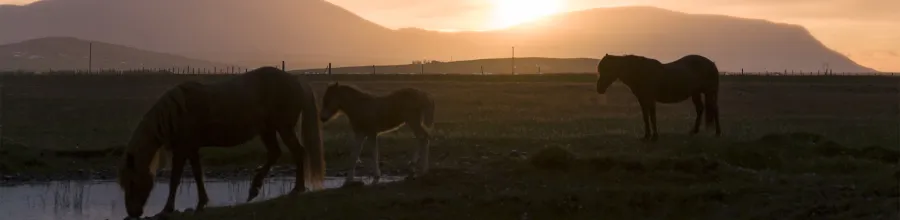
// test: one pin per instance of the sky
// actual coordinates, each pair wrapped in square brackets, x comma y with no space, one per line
[867,31]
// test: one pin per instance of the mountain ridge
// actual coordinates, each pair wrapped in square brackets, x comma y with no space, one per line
[70,53]
[313,33]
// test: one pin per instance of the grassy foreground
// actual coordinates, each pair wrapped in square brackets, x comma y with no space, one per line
[793,147]
[796,176]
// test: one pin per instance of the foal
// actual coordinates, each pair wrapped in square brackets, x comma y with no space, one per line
[372,115]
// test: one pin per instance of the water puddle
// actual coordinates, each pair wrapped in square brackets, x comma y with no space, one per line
[92,200]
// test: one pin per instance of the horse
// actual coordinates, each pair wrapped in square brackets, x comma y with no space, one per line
[264,102]
[372,115]
[651,81]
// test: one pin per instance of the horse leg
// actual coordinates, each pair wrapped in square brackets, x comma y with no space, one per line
[712,99]
[698,106]
[652,112]
[178,158]
[357,147]
[272,153]
[203,198]
[376,173]
[421,156]
[289,138]
[645,115]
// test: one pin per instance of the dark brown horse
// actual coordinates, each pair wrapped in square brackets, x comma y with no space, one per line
[371,115]
[692,76]
[264,102]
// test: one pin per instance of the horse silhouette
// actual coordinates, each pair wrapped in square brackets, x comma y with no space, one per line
[371,115]
[651,81]
[264,102]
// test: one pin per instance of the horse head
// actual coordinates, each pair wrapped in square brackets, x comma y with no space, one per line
[331,102]
[136,180]
[608,71]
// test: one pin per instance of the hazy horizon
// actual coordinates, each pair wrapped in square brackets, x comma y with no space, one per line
[864,30]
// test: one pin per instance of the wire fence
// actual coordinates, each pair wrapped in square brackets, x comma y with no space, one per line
[240,70]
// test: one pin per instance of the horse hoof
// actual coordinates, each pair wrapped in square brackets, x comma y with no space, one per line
[162,215]
[376,180]
[199,208]
[298,191]
[252,195]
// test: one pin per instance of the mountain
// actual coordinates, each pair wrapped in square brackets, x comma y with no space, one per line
[524,65]
[67,53]
[312,33]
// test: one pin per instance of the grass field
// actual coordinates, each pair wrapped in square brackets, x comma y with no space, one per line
[792,148]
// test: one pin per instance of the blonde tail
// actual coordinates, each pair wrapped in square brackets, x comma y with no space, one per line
[311,132]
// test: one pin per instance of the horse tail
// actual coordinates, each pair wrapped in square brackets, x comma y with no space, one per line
[311,132]
[711,93]
[428,114]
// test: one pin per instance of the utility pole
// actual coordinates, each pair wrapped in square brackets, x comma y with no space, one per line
[90,55]
[514,60]
[1,115]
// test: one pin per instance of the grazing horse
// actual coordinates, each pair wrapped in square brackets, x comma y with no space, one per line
[651,82]
[264,102]
[372,115]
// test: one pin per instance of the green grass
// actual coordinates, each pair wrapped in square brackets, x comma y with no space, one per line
[792,148]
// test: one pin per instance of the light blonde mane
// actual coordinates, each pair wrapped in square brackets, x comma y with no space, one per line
[150,138]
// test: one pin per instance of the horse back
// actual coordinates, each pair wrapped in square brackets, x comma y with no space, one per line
[402,104]
[234,110]
[695,68]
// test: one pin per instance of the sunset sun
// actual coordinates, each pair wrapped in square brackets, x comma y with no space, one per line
[512,12]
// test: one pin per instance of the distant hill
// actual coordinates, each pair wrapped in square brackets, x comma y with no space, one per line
[67,53]
[525,65]
[312,33]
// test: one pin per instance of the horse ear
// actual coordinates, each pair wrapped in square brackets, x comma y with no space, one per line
[129,161]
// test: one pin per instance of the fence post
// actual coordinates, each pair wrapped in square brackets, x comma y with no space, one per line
[1,114]
[282,66]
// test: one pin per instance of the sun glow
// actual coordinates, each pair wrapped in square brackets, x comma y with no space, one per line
[512,12]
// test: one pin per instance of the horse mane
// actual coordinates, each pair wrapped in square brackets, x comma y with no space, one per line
[353,90]
[639,59]
[157,126]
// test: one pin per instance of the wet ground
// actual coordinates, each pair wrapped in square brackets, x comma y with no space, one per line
[102,199]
